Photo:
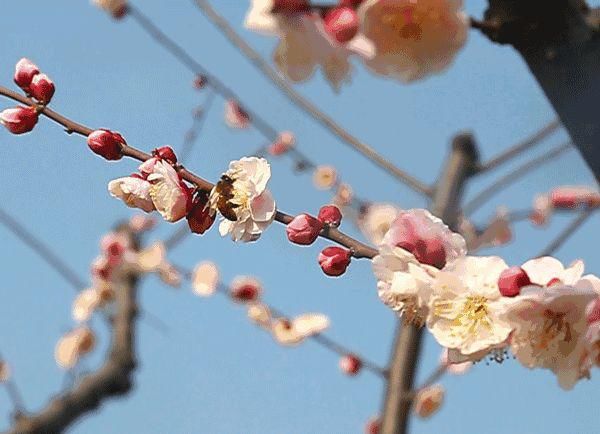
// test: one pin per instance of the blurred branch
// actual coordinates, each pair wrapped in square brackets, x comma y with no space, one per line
[112,379]
[567,232]
[521,147]
[308,107]
[359,250]
[486,194]
[197,126]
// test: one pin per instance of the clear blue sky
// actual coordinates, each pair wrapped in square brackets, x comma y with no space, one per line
[213,372]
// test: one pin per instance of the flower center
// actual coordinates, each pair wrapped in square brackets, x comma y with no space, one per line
[553,330]
[404,22]
[472,315]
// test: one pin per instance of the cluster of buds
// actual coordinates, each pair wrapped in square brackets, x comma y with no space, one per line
[22,119]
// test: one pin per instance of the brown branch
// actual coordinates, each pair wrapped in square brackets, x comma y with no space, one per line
[308,107]
[566,233]
[359,250]
[112,379]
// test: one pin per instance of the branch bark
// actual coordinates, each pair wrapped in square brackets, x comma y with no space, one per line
[112,379]
[461,165]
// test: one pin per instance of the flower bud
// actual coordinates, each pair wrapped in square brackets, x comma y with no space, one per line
[25,70]
[106,143]
[512,280]
[42,88]
[334,260]
[373,426]
[350,364]
[19,120]
[165,153]
[290,6]
[200,219]
[282,144]
[330,215]
[342,23]
[245,289]
[304,229]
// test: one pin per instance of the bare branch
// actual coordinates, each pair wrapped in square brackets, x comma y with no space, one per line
[567,232]
[359,250]
[520,147]
[197,126]
[481,198]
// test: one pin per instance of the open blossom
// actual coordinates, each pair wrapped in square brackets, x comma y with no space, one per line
[548,271]
[90,300]
[260,315]
[298,329]
[150,259]
[325,177]
[466,308]
[134,191]
[73,345]
[412,252]
[205,279]
[429,400]
[242,198]
[171,197]
[549,326]
[377,220]
[413,38]
[305,43]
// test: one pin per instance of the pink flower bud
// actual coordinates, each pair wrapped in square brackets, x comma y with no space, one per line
[25,70]
[350,364]
[593,311]
[330,215]
[373,426]
[304,229]
[342,24]
[19,120]
[429,251]
[290,6]
[245,289]
[334,260]
[165,153]
[42,88]
[284,143]
[200,219]
[106,143]
[512,280]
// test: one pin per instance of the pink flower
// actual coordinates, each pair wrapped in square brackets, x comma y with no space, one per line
[107,144]
[25,70]
[171,197]
[429,400]
[330,215]
[19,120]
[42,88]
[236,116]
[334,260]
[342,24]
[304,229]
[134,191]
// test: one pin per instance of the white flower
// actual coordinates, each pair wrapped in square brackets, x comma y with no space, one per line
[377,220]
[549,326]
[91,299]
[414,249]
[304,44]
[171,197]
[242,195]
[205,279]
[260,315]
[73,345]
[429,400]
[151,258]
[295,331]
[548,271]
[134,191]
[413,38]
[235,116]
[466,307]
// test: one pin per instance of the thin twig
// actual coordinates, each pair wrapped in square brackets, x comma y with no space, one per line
[260,123]
[520,147]
[566,233]
[359,250]
[485,195]
[197,126]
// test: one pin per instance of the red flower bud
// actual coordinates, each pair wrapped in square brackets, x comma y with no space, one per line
[245,293]
[512,280]
[25,70]
[334,260]
[593,311]
[342,24]
[304,229]
[165,153]
[106,143]
[290,6]
[427,251]
[330,215]
[42,88]
[200,219]
[19,120]
[350,364]
[373,426]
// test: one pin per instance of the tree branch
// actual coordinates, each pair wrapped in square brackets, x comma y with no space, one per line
[112,379]
[359,250]
[566,233]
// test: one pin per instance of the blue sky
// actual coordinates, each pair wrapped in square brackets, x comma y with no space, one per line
[213,371]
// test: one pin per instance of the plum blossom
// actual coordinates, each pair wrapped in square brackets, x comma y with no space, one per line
[325,177]
[411,254]
[548,271]
[205,279]
[91,299]
[429,400]
[305,44]
[170,196]
[542,210]
[134,191]
[413,38]
[260,315]
[466,308]
[242,198]
[73,345]
[245,289]
[235,116]
[549,327]
[377,220]
[298,329]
